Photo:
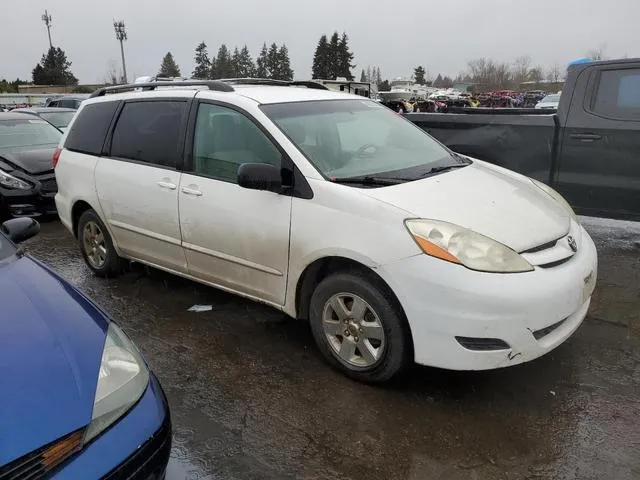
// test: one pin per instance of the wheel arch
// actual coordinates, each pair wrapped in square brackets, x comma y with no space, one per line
[79,207]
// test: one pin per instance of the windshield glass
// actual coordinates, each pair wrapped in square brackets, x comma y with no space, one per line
[6,248]
[59,119]
[348,138]
[551,98]
[26,134]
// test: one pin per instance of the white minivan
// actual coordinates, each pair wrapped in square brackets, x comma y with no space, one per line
[334,209]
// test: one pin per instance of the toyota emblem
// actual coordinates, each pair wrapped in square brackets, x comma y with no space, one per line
[572,243]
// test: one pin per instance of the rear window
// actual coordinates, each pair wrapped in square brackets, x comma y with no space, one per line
[88,132]
[618,94]
[149,132]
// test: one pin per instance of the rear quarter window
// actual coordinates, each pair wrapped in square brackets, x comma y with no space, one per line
[88,131]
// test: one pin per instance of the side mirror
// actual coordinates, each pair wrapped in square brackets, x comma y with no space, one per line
[20,229]
[260,176]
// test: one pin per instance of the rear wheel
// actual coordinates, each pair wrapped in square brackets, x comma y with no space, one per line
[358,328]
[97,247]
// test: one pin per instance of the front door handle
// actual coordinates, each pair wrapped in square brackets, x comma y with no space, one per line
[167,184]
[585,137]
[192,191]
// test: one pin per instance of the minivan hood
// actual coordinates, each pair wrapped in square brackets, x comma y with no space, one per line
[51,341]
[490,200]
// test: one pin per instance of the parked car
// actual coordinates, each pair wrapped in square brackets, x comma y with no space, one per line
[588,150]
[332,208]
[550,102]
[77,399]
[66,101]
[27,180]
[58,117]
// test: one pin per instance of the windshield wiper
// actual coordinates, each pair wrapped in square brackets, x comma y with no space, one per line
[443,168]
[370,180]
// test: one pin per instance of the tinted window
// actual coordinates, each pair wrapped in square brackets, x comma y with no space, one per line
[619,94]
[150,132]
[225,139]
[68,103]
[87,134]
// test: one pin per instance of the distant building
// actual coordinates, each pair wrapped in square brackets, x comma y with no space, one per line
[30,89]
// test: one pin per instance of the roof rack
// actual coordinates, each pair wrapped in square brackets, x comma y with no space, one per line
[216,85]
[270,81]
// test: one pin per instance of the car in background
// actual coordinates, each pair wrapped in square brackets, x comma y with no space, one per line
[27,180]
[550,102]
[67,101]
[77,400]
[59,117]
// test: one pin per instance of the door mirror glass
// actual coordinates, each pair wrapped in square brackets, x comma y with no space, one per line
[20,229]
[259,176]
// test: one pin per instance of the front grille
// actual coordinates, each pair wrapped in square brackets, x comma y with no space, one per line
[36,464]
[544,246]
[149,461]
[543,332]
[483,344]
[556,263]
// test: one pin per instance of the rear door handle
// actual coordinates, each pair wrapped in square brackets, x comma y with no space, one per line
[585,137]
[167,184]
[191,191]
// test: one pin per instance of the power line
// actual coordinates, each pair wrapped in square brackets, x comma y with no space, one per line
[46,18]
[121,36]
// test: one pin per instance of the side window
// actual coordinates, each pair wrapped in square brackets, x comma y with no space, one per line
[224,139]
[88,132]
[150,132]
[618,94]
[67,103]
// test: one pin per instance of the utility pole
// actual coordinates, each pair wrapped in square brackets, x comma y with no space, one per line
[46,18]
[121,35]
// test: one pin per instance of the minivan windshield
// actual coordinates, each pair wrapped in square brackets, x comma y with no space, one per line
[347,139]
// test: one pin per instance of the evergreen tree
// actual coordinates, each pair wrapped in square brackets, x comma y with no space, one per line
[213,71]
[273,64]
[261,62]
[384,86]
[54,69]
[334,57]
[203,63]
[437,83]
[224,65]
[344,58]
[363,76]
[245,66]
[284,64]
[235,63]
[418,75]
[370,74]
[169,68]
[320,69]
[378,76]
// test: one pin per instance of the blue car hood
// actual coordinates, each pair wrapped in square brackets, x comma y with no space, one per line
[51,340]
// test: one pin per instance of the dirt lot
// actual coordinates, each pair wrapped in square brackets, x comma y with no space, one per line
[251,398]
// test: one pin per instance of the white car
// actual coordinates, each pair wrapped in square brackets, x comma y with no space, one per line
[549,102]
[331,208]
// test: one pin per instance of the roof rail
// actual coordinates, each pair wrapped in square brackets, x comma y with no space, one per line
[216,85]
[271,81]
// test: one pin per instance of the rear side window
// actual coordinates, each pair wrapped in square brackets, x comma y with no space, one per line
[618,94]
[88,132]
[150,132]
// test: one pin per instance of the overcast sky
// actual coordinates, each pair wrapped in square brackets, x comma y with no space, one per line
[441,35]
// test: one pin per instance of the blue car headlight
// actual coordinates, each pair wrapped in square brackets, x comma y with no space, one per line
[122,380]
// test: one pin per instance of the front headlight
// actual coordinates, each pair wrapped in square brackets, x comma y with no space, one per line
[9,181]
[456,244]
[556,196]
[122,380]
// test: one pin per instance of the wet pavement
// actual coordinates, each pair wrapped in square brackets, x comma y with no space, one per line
[252,399]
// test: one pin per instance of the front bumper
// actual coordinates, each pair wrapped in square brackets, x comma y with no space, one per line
[30,203]
[531,312]
[137,447]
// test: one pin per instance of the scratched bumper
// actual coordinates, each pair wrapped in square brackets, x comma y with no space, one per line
[443,301]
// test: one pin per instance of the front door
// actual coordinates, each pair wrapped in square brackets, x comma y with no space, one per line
[599,170]
[233,237]
[138,183]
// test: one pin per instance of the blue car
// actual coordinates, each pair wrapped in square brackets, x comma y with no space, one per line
[77,401]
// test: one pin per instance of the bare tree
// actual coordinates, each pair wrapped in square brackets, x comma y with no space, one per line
[536,74]
[554,73]
[111,77]
[521,69]
[597,53]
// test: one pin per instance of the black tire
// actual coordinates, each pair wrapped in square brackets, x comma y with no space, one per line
[113,264]
[397,351]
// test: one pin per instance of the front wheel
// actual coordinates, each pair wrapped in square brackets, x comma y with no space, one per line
[97,247]
[358,328]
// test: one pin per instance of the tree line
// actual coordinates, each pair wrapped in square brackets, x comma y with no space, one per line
[272,62]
